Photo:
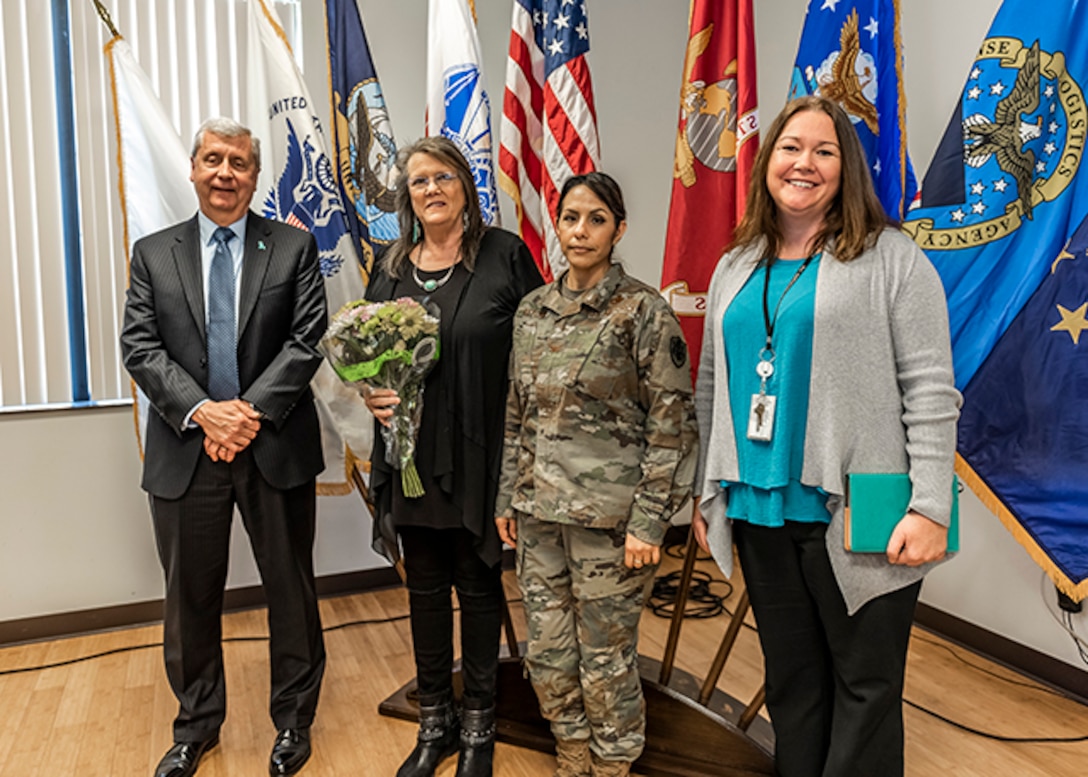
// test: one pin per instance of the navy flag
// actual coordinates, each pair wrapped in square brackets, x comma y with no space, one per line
[362,133]
[850,52]
[1003,219]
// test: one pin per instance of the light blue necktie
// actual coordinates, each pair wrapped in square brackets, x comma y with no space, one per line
[222,346]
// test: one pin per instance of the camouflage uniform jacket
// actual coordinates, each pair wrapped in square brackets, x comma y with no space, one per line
[600,420]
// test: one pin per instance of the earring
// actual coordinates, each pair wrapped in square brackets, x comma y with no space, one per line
[464,219]
[415,230]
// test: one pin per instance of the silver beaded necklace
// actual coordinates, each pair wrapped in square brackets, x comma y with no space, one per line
[431,284]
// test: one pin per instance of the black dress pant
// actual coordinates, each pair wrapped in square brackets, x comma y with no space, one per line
[435,561]
[193,537]
[834,682]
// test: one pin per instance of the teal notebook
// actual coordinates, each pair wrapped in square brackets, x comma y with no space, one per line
[876,502]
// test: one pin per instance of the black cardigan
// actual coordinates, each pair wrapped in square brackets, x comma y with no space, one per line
[477,354]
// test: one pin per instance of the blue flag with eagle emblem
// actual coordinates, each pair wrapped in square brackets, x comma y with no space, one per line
[1004,218]
[362,133]
[850,52]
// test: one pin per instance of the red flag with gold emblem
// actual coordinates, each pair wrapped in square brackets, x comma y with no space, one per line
[716,144]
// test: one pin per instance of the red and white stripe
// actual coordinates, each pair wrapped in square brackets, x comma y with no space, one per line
[548,134]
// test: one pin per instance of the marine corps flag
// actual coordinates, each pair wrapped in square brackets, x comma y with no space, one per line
[1004,219]
[715,148]
[362,133]
[850,52]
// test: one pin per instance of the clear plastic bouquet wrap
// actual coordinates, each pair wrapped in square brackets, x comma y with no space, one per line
[388,345]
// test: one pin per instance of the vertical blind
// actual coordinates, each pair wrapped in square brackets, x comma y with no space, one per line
[191,50]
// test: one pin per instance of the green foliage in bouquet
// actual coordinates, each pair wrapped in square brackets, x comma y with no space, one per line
[388,345]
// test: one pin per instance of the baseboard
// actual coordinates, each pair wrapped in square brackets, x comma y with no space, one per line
[139,613]
[1045,669]
[1048,670]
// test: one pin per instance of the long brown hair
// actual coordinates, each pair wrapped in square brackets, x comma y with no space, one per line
[855,218]
[396,258]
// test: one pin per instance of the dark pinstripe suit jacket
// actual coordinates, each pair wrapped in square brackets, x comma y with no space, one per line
[281,317]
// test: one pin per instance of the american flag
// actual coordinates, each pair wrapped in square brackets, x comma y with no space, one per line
[549,123]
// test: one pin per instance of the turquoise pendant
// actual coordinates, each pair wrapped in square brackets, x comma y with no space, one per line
[430,285]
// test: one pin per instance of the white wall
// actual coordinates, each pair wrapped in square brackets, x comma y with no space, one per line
[74,529]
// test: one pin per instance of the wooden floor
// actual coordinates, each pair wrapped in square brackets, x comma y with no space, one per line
[110,716]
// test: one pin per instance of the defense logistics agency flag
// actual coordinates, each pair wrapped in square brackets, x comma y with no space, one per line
[1002,218]
[850,52]
[715,148]
[549,122]
[297,186]
[457,104]
[154,167]
[362,132]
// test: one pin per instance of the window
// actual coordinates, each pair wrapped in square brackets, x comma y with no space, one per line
[64,262]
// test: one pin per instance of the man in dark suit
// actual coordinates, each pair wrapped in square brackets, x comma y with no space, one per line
[220,331]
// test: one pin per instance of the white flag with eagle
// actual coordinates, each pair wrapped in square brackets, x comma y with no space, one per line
[297,185]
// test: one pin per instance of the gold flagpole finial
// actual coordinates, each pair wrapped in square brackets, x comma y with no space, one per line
[104,15]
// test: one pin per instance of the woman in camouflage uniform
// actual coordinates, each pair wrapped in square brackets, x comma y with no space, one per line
[599,454]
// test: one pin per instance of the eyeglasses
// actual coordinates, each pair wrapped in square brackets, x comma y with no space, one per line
[441,180]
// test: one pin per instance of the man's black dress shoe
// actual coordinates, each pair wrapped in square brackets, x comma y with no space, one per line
[182,759]
[289,752]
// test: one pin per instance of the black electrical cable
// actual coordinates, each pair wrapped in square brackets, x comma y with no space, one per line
[702,603]
[983,670]
[1070,626]
[149,645]
[708,605]
[996,737]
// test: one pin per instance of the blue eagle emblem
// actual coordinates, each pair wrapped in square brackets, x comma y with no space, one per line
[305,196]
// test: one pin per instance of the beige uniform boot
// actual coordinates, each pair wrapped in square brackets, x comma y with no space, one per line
[572,756]
[600,768]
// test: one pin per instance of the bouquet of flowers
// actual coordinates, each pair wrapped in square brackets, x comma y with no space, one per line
[388,345]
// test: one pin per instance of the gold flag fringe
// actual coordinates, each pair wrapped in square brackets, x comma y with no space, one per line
[1075,591]
[351,461]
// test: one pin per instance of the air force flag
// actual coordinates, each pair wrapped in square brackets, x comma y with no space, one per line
[850,52]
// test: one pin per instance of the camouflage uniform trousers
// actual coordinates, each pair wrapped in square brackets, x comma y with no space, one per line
[583,606]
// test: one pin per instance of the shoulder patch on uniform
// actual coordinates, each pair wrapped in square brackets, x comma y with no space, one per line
[678,350]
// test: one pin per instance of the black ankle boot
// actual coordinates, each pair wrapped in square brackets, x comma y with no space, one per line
[477,742]
[438,735]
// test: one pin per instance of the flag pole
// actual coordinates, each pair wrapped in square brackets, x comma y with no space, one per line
[104,15]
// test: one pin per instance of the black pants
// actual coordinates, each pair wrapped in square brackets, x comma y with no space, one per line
[435,561]
[193,537]
[834,682]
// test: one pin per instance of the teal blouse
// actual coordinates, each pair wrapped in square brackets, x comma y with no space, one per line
[769,491]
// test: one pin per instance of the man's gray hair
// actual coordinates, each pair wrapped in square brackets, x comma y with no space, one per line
[227,128]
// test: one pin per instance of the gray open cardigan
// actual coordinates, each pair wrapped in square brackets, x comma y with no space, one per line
[881,397]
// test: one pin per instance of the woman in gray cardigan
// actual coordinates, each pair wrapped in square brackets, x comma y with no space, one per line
[826,352]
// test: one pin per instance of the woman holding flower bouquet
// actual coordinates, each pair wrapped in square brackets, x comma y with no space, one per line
[475,276]
[600,453]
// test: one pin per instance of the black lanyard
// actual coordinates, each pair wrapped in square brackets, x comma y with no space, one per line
[769,321]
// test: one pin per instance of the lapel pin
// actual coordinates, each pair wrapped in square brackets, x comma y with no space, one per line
[260,245]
